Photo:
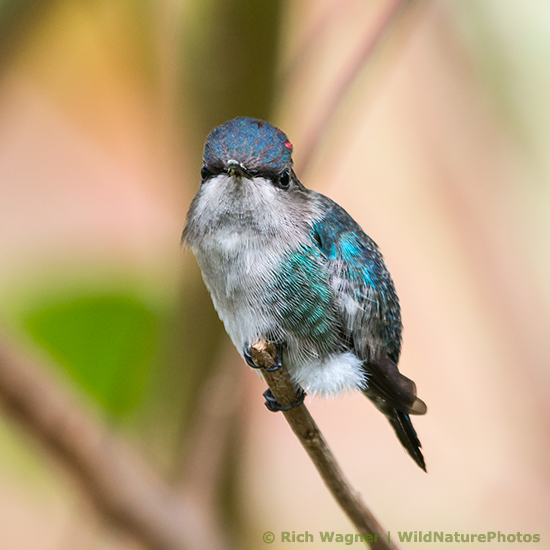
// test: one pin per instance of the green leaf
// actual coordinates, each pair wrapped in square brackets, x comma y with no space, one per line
[105,342]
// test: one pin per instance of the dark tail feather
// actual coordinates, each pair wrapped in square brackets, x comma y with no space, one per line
[403,427]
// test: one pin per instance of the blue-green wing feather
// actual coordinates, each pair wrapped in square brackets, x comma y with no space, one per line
[370,316]
[369,306]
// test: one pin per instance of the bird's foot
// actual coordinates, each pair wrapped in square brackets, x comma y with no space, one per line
[247,354]
[274,406]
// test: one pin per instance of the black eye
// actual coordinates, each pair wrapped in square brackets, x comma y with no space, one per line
[284,179]
[205,173]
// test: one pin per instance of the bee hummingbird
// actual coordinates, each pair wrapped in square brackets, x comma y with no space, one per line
[288,265]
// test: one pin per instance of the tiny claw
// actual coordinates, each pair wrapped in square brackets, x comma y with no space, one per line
[247,354]
[277,363]
[274,406]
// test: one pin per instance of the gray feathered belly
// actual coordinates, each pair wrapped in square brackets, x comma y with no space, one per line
[261,291]
[237,283]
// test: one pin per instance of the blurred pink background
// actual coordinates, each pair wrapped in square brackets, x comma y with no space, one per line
[439,151]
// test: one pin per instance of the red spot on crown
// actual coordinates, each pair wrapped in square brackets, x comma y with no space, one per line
[288,145]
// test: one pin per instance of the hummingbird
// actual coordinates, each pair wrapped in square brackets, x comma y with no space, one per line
[286,264]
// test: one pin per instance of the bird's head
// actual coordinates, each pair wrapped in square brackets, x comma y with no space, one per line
[248,188]
[248,148]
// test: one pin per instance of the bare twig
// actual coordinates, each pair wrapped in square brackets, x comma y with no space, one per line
[345,81]
[117,481]
[303,425]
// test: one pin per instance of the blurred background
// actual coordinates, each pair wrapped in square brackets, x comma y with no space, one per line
[437,143]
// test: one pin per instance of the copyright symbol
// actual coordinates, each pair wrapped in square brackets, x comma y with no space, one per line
[269,537]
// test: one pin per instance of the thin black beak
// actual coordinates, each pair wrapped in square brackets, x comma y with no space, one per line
[235,168]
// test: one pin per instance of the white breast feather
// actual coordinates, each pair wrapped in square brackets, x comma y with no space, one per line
[238,262]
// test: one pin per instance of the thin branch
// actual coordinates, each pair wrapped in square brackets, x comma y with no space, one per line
[116,480]
[344,83]
[311,438]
